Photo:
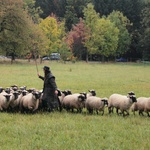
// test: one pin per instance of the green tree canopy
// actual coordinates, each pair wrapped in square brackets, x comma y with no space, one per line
[145,32]
[14,27]
[103,37]
[124,38]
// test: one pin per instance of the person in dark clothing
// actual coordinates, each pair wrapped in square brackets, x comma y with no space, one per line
[50,92]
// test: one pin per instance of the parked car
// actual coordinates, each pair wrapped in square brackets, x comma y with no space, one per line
[3,57]
[55,56]
[121,59]
[46,58]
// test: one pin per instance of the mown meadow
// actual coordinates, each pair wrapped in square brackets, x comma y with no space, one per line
[62,130]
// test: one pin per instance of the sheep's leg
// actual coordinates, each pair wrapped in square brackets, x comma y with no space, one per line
[102,112]
[96,111]
[141,112]
[148,114]
[109,110]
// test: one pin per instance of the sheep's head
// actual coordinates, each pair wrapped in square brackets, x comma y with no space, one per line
[133,98]
[24,92]
[37,94]
[7,97]
[7,90]
[59,92]
[131,93]
[81,97]
[69,92]
[15,93]
[84,93]
[1,89]
[105,101]
[93,92]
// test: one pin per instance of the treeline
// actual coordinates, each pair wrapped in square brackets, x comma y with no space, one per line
[76,29]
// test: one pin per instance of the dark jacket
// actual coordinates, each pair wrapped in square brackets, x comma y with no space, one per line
[49,87]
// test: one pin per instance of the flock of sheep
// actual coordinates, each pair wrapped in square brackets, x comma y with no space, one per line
[15,99]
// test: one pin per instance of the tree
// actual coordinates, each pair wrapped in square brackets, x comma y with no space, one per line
[38,43]
[145,32]
[14,28]
[122,23]
[48,7]
[54,32]
[33,11]
[106,38]
[78,35]
[91,19]
[103,37]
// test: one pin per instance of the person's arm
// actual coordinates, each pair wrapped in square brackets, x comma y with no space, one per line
[40,76]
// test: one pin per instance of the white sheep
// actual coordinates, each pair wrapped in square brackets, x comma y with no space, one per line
[14,105]
[142,105]
[4,101]
[74,101]
[96,103]
[121,102]
[63,94]
[30,102]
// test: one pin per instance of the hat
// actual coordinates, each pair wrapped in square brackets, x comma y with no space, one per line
[46,68]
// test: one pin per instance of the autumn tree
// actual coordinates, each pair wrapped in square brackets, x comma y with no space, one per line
[54,31]
[77,37]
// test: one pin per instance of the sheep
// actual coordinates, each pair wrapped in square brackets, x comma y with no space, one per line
[91,93]
[142,104]
[14,105]
[4,101]
[96,103]
[121,102]
[30,102]
[63,94]
[13,98]
[74,101]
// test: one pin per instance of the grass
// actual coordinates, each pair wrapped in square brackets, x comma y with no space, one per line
[44,131]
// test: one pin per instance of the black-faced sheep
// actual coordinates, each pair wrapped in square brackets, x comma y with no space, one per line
[74,101]
[14,105]
[121,102]
[4,101]
[30,102]
[96,103]
[142,105]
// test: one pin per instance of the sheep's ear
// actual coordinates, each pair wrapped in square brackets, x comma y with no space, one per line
[59,93]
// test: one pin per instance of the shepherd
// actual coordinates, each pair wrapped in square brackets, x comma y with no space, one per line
[50,91]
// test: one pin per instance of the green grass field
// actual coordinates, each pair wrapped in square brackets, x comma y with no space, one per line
[53,131]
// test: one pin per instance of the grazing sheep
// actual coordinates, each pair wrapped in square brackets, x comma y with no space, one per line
[30,102]
[4,101]
[121,102]
[74,101]
[142,105]
[96,103]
